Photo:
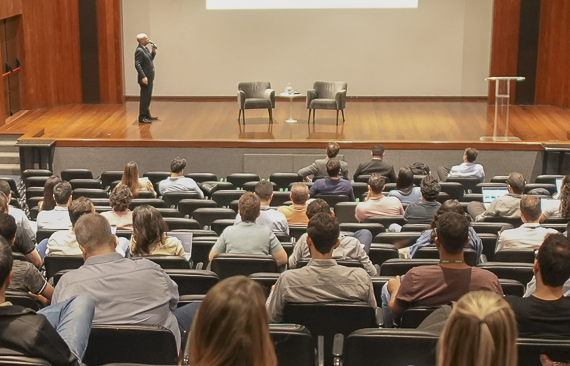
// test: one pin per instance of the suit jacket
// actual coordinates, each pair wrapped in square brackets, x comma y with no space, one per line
[144,63]
[318,169]
[377,166]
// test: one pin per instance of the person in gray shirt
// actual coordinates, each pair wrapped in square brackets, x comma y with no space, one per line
[424,211]
[506,206]
[318,169]
[177,182]
[273,219]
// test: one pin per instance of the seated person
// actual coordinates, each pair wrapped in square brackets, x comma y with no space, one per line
[439,284]
[428,237]
[350,247]
[467,169]
[120,216]
[318,169]
[149,234]
[296,214]
[546,313]
[125,291]
[57,333]
[58,218]
[322,280]
[177,181]
[131,179]
[273,219]
[64,242]
[530,234]
[332,184]
[405,190]
[376,204]
[506,206]
[377,165]
[564,196]
[48,203]
[424,211]
[21,218]
[247,237]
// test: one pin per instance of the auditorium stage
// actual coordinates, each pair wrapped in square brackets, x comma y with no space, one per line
[442,123]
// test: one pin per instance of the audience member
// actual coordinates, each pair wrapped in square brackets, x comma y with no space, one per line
[232,327]
[333,184]
[120,215]
[506,206]
[442,283]
[466,169]
[273,219]
[424,211]
[296,214]
[564,209]
[351,247]
[247,237]
[177,181]
[57,333]
[530,234]
[125,291]
[405,190]
[149,234]
[318,169]
[377,165]
[546,313]
[322,280]
[131,179]
[48,203]
[21,219]
[58,218]
[376,204]
[64,242]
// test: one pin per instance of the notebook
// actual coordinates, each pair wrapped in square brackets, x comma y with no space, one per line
[492,193]
[186,239]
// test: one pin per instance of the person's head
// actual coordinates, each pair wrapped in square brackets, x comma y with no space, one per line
[318,205]
[332,150]
[148,228]
[3,203]
[78,208]
[6,261]
[62,193]
[323,231]
[553,260]
[131,177]
[264,190]
[452,232]
[565,197]
[481,331]
[8,227]
[530,208]
[376,183]
[5,188]
[299,193]
[405,178]
[232,327]
[430,188]
[120,198]
[516,182]
[142,39]
[249,207]
[48,202]
[177,166]
[471,154]
[378,151]
[93,233]
[447,206]
[333,168]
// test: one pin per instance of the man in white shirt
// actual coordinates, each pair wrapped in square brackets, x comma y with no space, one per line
[530,234]
[177,181]
[273,219]
[18,215]
[58,218]
[467,169]
[64,242]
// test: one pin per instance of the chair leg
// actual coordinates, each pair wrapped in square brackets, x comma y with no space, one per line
[342,111]
[337,117]
[314,116]
[243,113]
[270,115]
[239,116]
[309,119]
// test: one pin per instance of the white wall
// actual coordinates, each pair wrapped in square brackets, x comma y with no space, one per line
[442,48]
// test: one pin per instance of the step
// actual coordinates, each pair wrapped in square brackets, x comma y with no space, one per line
[9,158]
[8,146]
[10,169]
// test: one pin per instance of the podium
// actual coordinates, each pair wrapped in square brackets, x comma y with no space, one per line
[502,106]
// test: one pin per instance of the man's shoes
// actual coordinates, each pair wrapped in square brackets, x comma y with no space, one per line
[145,120]
[153,118]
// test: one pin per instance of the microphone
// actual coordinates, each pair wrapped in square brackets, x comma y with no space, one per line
[152,44]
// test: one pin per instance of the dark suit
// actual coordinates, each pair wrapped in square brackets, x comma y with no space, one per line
[145,69]
[377,166]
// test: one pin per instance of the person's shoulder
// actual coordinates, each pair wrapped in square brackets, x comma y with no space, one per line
[483,273]
[347,241]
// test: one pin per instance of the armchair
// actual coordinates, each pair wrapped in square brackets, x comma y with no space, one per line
[255,95]
[327,95]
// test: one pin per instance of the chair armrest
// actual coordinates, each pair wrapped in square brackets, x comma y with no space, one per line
[311,94]
[321,350]
[241,99]
[340,99]
[338,344]
[270,94]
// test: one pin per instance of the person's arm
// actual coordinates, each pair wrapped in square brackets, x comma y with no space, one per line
[277,251]
[361,256]
[314,190]
[351,195]
[276,302]
[34,258]
[280,257]
[25,223]
[298,250]
[197,189]
[392,176]
[359,214]
[150,187]
[423,241]
[393,288]
[219,247]
[308,170]
[357,172]
[139,60]
[172,289]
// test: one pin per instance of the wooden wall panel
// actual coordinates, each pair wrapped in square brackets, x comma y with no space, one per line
[8,8]
[110,51]
[553,69]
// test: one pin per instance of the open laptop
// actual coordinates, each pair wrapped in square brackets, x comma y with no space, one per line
[547,203]
[492,193]
[186,239]
[558,185]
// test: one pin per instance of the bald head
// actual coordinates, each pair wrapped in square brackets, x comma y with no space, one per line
[93,233]
[142,38]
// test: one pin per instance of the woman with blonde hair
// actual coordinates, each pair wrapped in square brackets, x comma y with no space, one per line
[481,331]
[232,327]
[132,180]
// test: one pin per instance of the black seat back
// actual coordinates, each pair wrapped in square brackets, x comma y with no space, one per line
[205,216]
[186,207]
[42,234]
[154,202]
[489,244]
[89,193]
[172,198]
[266,280]
[86,183]
[283,180]
[228,265]
[178,223]
[238,179]
[333,199]
[109,177]
[414,316]
[522,272]
[455,190]
[56,263]
[486,227]
[168,212]
[201,250]
[296,231]
[219,225]
[400,240]
[21,360]
[168,261]
[22,299]
[387,220]
[468,183]
[345,212]
[398,267]
[293,345]
[530,349]
[202,177]
[514,255]
[193,282]
[69,174]
[415,228]
[512,287]
[35,181]
[380,253]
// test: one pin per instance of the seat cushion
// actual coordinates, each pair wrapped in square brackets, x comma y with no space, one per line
[322,104]
[255,103]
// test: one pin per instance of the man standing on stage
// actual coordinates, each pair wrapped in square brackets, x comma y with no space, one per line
[145,69]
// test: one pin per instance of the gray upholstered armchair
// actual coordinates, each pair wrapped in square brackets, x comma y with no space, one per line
[255,95]
[327,95]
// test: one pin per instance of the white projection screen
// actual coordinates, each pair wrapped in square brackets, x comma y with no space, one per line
[309,4]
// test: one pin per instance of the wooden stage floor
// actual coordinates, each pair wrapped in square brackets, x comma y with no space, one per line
[403,124]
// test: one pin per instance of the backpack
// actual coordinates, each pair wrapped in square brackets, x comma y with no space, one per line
[420,168]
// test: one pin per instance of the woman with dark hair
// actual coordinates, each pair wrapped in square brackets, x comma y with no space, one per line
[564,209]
[131,179]
[232,327]
[149,234]
[120,216]
[48,203]
[428,237]
[405,190]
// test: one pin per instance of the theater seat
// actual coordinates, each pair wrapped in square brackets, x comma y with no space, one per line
[514,255]
[86,183]
[69,174]
[294,345]
[387,220]
[400,240]
[172,198]
[380,253]
[530,349]
[168,261]
[42,234]
[468,183]
[345,212]
[22,299]
[521,272]
[283,180]
[154,202]
[220,225]
[200,251]
[202,177]
[415,228]
[56,263]
[512,287]
[239,179]
[205,216]
[266,280]
[398,267]
[333,199]
[186,207]
[109,176]
[414,316]
[177,223]
[193,282]
[296,231]
[228,265]
[515,221]
[374,228]
[89,193]
[225,196]
[21,360]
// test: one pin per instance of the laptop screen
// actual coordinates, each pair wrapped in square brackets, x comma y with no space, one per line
[547,203]
[186,239]
[559,184]
[490,194]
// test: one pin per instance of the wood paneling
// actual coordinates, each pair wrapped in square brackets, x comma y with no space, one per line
[110,51]
[553,71]
[10,8]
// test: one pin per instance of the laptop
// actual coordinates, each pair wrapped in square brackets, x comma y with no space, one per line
[548,203]
[492,193]
[186,240]
[558,185]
